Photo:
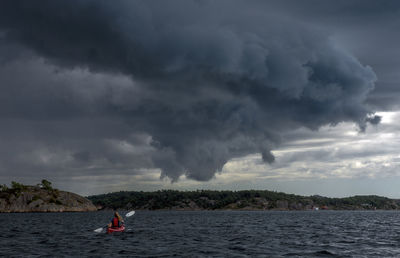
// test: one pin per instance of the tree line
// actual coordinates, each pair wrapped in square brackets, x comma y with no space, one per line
[213,200]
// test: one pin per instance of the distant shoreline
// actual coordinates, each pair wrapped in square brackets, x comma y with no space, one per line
[238,210]
[247,200]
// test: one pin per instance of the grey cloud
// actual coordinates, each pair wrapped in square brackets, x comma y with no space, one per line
[366,28]
[385,96]
[208,81]
[374,120]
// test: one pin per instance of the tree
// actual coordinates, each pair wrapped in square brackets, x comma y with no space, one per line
[17,186]
[3,188]
[46,184]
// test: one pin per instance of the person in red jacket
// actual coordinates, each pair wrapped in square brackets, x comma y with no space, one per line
[116,222]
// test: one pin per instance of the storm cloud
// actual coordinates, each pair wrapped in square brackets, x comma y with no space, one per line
[183,86]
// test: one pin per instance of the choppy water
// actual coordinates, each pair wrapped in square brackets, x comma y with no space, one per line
[205,233]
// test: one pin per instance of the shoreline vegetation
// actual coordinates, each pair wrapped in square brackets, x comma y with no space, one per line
[44,198]
[41,198]
[236,200]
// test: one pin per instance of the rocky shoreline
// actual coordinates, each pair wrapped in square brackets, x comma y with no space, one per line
[42,199]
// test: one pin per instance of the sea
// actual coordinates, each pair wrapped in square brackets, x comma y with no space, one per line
[204,234]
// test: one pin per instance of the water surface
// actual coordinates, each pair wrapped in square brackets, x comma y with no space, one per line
[205,233]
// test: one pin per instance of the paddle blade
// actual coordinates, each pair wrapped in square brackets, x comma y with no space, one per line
[130,214]
[98,230]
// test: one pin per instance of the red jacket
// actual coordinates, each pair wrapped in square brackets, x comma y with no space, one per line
[115,223]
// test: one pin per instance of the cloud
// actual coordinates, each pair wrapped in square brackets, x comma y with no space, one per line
[332,153]
[183,86]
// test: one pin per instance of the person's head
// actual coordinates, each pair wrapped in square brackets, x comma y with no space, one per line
[116,215]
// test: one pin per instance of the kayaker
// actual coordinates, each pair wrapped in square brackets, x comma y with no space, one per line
[116,222]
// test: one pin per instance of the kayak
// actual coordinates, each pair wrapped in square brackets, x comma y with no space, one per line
[119,229]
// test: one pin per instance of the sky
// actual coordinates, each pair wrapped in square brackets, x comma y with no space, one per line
[293,96]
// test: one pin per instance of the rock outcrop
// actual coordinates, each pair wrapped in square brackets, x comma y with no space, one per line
[37,199]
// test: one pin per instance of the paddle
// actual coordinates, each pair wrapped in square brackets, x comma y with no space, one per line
[129,214]
[99,229]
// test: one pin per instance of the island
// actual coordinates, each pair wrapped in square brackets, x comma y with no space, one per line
[237,200]
[41,198]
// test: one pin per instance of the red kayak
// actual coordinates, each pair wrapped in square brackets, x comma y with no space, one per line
[119,229]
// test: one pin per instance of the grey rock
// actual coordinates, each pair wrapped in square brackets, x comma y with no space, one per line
[282,204]
[35,199]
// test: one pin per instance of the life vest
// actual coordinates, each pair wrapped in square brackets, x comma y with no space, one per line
[115,222]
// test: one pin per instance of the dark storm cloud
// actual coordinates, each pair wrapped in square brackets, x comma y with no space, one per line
[208,82]
[368,29]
